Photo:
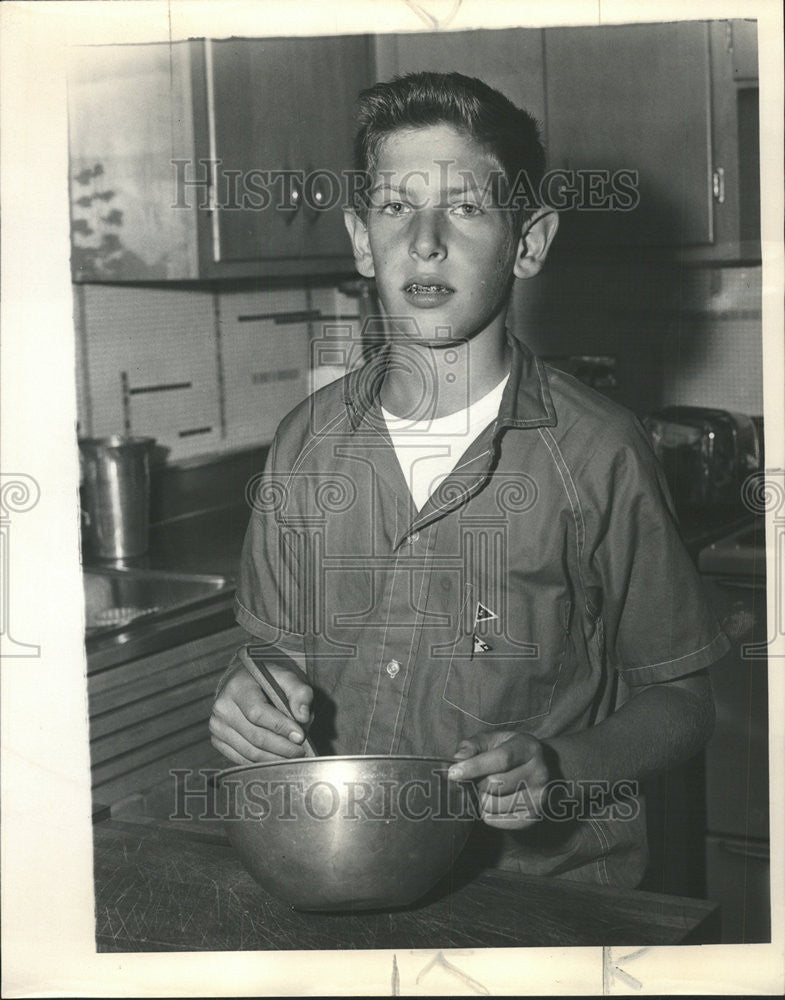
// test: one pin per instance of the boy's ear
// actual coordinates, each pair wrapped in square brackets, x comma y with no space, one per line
[536,238]
[358,234]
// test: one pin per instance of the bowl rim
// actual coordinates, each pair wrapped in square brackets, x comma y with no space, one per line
[238,768]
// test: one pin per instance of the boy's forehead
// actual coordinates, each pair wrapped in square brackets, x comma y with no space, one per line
[432,156]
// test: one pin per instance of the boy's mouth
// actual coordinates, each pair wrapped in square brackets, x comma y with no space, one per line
[416,288]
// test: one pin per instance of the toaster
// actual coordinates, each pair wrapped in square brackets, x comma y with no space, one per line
[706,453]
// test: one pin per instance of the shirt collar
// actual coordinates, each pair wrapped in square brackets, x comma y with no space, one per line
[526,401]
[527,398]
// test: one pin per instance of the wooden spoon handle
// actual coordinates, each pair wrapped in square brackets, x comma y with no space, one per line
[273,691]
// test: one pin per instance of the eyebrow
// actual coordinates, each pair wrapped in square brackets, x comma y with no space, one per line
[394,189]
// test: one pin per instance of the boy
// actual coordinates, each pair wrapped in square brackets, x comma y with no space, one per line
[457,551]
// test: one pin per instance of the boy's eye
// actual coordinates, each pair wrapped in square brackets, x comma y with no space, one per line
[395,208]
[467,210]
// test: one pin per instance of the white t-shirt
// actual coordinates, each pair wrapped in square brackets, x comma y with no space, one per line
[428,450]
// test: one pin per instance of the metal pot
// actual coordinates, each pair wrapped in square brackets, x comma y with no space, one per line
[115,474]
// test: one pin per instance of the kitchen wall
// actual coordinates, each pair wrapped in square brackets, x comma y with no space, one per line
[203,370]
[210,370]
[679,334]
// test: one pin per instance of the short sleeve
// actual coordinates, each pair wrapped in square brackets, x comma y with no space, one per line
[268,599]
[657,621]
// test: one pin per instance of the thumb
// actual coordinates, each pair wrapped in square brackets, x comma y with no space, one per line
[471,747]
[298,693]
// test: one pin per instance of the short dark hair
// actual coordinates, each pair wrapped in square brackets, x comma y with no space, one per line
[510,134]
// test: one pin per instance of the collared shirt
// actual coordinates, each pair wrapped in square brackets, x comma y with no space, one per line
[542,579]
[428,450]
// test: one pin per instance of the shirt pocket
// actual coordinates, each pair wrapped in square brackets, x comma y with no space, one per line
[503,680]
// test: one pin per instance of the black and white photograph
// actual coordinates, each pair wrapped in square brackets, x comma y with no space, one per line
[395,596]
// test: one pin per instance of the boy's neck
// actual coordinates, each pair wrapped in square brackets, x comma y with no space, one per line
[445,379]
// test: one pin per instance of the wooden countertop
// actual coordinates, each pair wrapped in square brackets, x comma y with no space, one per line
[179,887]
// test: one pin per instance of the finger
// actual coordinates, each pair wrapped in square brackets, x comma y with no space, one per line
[512,811]
[253,742]
[244,705]
[532,775]
[497,761]
[270,731]
[510,821]
[524,800]
[249,753]
[232,754]
[229,752]
[258,717]
[298,693]
[468,748]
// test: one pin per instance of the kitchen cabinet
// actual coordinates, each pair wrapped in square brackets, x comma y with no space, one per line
[130,114]
[212,159]
[735,140]
[737,771]
[674,103]
[633,98]
[150,715]
[738,873]
[653,109]
[511,60]
[299,120]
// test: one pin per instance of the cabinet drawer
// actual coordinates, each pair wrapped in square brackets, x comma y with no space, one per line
[737,874]
[211,648]
[139,721]
[737,773]
[162,749]
[144,736]
[155,777]
[177,675]
[150,715]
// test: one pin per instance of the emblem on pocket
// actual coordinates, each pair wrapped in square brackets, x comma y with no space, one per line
[484,614]
[480,646]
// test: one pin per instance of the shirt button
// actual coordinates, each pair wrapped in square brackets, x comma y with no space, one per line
[393,667]
[413,537]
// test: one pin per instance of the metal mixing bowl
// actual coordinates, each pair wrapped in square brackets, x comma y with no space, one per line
[347,833]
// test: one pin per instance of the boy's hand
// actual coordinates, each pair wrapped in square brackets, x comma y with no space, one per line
[513,774]
[246,728]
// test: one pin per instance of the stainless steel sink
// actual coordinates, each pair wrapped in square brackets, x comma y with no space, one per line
[124,598]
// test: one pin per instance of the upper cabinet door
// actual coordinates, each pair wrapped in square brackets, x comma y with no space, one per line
[330,76]
[280,127]
[253,139]
[736,139]
[633,98]
[129,118]
[510,60]
[213,159]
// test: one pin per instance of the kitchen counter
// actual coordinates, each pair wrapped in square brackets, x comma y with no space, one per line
[207,542]
[210,542]
[168,886]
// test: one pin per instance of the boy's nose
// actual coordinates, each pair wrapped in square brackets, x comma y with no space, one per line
[427,241]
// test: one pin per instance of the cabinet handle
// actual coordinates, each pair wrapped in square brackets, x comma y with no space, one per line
[295,200]
[741,583]
[215,225]
[758,852]
[317,198]
[718,185]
